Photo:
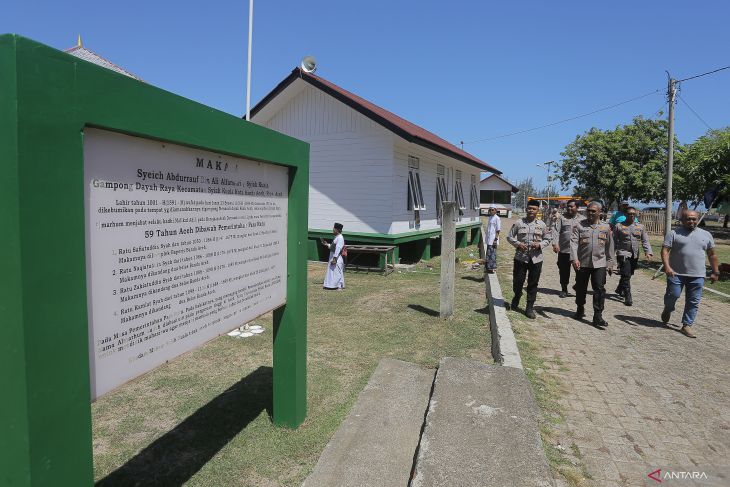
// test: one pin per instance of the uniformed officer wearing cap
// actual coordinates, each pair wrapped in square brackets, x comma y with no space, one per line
[591,250]
[626,237]
[529,236]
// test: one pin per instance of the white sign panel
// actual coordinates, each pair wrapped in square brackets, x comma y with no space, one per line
[182,246]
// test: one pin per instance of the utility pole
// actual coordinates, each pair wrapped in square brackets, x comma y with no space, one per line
[671,94]
[248,70]
[547,165]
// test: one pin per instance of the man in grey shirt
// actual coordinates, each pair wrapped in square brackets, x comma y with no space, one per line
[529,236]
[683,256]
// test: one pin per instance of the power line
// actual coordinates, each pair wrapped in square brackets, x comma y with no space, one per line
[703,74]
[564,120]
[693,111]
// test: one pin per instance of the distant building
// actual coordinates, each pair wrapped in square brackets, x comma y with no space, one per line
[82,53]
[381,176]
[496,191]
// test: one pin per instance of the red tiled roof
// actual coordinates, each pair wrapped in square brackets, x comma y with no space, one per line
[400,126]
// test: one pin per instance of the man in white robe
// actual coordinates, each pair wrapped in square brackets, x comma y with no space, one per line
[494,226]
[335,277]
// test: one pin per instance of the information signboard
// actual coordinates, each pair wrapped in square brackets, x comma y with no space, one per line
[182,246]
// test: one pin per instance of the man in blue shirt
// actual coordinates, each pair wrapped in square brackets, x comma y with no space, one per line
[619,216]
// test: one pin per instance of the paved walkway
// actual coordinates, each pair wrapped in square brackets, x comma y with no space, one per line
[639,396]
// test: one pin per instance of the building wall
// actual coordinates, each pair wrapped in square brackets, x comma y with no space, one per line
[351,162]
[495,184]
[403,219]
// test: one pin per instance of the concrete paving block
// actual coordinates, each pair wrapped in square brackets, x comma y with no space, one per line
[481,430]
[375,445]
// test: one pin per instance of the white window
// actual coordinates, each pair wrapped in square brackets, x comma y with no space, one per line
[415,193]
[474,193]
[459,192]
[442,193]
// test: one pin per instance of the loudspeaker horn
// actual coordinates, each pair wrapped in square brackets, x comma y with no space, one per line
[309,64]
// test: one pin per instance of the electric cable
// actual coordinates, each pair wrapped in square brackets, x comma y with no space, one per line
[693,111]
[564,120]
[703,74]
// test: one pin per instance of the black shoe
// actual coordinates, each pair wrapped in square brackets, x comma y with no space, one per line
[599,322]
[515,303]
[563,294]
[628,300]
[619,290]
[529,312]
[580,313]
[666,314]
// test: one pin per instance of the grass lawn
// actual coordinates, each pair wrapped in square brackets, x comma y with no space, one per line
[204,417]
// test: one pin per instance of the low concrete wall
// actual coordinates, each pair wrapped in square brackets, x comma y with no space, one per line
[504,344]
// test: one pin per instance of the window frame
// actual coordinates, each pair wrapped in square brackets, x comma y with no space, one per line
[415,190]
[442,191]
[459,192]
[474,194]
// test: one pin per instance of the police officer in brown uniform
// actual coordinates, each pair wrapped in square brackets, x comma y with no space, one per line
[529,236]
[591,250]
[626,237]
[562,231]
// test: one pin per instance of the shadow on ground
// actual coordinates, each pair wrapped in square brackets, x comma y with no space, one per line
[545,290]
[546,311]
[473,278]
[424,310]
[641,321]
[483,311]
[175,457]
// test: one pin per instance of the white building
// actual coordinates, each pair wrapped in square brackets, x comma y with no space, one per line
[496,191]
[379,175]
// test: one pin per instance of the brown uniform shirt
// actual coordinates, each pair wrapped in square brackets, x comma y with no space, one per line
[627,237]
[528,233]
[563,229]
[592,245]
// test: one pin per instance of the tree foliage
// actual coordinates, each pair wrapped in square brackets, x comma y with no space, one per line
[704,164]
[611,165]
[527,188]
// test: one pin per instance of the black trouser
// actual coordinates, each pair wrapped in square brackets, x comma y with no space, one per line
[564,265]
[626,268]
[529,270]
[597,276]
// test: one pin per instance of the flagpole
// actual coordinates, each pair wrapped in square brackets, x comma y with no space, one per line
[248,74]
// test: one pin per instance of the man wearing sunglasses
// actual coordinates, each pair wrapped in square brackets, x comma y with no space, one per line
[627,235]
[683,256]
[591,250]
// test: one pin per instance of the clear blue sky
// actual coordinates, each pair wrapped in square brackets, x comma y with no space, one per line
[466,70]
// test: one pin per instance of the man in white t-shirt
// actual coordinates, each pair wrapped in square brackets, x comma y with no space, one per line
[494,226]
[683,256]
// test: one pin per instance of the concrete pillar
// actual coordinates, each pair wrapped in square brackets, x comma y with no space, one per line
[461,239]
[382,261]
[426,249]
[448,264]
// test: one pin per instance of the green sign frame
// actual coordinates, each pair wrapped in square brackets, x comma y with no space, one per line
[47,97]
